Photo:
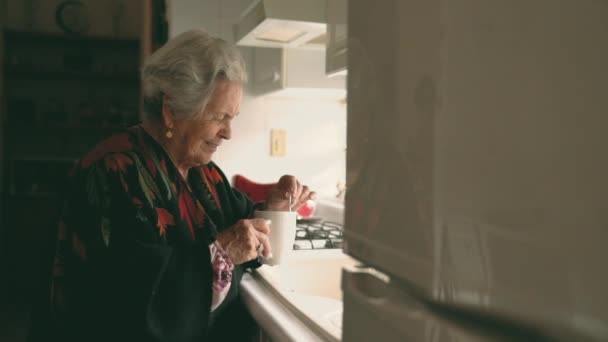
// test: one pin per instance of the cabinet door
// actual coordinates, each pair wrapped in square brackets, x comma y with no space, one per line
[267,70]
[337,36]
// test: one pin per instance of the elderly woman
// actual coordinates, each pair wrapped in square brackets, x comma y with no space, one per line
[153,240]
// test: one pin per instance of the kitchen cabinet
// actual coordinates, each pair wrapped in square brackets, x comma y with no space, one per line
[337,37]
[267,70]
[294,73]
[276,71]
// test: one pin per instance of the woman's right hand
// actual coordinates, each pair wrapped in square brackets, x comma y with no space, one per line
[242,240]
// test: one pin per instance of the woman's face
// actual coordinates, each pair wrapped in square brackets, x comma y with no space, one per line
[201,136]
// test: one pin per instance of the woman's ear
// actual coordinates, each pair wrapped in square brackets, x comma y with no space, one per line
[168,117]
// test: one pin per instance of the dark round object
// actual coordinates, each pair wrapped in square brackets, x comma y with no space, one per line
[72,17]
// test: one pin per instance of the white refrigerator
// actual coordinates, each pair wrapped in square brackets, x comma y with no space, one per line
[477,170]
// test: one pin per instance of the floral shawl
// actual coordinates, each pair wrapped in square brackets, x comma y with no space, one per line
[136,255]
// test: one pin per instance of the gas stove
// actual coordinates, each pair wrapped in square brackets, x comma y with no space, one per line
[318,234]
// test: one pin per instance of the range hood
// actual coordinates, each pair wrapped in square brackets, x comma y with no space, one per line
[283,24]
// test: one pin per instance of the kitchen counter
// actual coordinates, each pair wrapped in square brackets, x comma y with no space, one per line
[300,300]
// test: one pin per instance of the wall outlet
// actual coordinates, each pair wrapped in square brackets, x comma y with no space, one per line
[277,142]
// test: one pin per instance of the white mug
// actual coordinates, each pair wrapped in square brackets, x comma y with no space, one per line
[282,234]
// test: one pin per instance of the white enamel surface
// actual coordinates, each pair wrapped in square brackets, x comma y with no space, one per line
[477,153]
[278,321]
[310,282]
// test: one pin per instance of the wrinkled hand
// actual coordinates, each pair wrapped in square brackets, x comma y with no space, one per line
[278,196]
[241,240]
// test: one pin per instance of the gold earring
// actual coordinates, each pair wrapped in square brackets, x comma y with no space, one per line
[169,134]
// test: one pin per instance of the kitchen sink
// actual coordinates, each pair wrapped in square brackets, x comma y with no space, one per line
[311,272]
[316,273]
[309,281]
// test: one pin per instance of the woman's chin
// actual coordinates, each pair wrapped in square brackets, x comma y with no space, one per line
[204,160]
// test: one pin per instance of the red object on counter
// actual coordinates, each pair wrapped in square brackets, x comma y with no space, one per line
[307,209]
[257,193]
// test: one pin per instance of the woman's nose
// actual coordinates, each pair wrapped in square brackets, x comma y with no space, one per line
[226,131]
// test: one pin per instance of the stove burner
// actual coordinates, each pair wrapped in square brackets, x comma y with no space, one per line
[318,235]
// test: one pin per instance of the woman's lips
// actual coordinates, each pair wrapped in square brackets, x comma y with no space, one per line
[213,146]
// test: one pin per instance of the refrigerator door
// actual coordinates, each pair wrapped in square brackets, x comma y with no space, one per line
[477,153]
[377,310]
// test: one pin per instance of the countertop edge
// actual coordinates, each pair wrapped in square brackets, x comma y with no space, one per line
[277,320]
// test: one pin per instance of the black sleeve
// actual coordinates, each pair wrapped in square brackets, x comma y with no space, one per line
[236,206]
[121,281]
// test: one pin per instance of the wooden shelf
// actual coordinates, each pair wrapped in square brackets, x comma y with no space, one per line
[58,38]
[72,75]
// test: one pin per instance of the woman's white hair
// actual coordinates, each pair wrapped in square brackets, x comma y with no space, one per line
[186,69]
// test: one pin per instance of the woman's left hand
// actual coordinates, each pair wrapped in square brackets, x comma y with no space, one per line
[278,196]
